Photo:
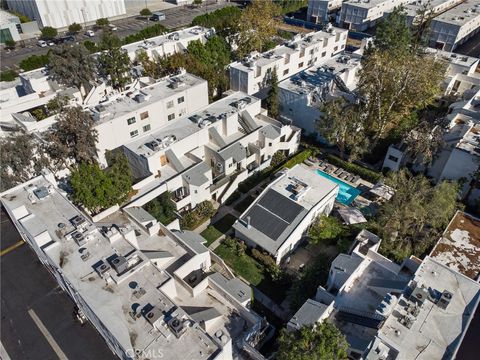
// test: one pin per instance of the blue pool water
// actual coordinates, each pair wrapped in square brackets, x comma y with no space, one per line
[346,193]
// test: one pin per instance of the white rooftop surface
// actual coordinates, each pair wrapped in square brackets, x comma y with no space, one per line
[304,40]
[366,4]
[126,103]
[460,14]
[318,186]
[184,127]
[413,8]
[321,74]
[6,17]
[160,40]
[112,303]
[435,333]
[459,246]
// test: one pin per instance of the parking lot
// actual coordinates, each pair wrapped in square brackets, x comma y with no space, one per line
[176,17]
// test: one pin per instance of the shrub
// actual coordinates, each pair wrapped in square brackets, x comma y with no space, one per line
[269,262]
[146,33]
[363,172]
[193,218]
[74,28]
[102,22]
[91,46]
[34,62]
[10,44]
[39,113]
[145,12]
[298,158]
[23,18]
[48,33]
[162,208]
[232,198]
[8,75]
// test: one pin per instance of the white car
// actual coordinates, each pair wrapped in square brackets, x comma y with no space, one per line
[42,43]
[90,33]
[113,27]
[51,43]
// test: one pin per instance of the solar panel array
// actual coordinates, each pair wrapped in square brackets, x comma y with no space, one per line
[273,213]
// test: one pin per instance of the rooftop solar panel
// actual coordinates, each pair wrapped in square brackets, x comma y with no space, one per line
[280,205]
[266,222]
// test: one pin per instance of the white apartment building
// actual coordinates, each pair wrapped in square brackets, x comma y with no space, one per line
[455,26]
[60,14]
[8,27]
[168,44]
[127,278]
[303,51]
[433,7]
[321,11]
[142,110]
[302,95]
[359,15]
[279,218]
[206,154]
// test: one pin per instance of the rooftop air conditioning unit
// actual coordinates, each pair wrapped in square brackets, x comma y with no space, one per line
[102,268]
[78,238]
[120,264]
[445,299]
[177,326]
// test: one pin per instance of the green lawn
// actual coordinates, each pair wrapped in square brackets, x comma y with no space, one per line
[213,232]
[244,266]
[244,204]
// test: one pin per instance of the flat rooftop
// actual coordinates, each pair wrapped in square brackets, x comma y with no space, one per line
[283,205]
[320,75]
[122,304]
[428,321]
[366,4]
[170,38]
[186,126]
[132,100]
[460,14]
[459,247]
[435,5]
[295,45]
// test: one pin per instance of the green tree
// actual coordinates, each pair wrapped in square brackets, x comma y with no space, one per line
[21,159]
[412,221]
[72,138]
[322,341]
[272,99]
[392,32]
[34,62]
[73,66]
[278,158]
[8,75]
[162,208]
[341,123]
[145,12]
[90,46]
[113,62]
[197,2]
[257,25]
[102,22]
[75,28]
[150,67]
[224,21]
[325,228]
[96,189]
[49,33]
[56,104]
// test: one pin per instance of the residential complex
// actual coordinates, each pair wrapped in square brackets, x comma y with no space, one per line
[302,95]
[359,15]
[321,11]
[60,14]
[205,155]
[253,73]
[430,8]
[455,26]
[168,44]
[148,293]
[279,218]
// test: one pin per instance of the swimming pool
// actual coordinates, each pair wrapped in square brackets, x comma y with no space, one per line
[346,193]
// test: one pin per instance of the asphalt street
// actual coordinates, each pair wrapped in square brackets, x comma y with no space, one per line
[177,17]
[37,319]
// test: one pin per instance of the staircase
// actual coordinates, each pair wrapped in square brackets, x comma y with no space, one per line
[364,318]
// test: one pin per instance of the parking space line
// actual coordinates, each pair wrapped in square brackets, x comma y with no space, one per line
[11,248]
[61,355]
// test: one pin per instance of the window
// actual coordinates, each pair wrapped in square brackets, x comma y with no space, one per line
[335,48]
[270,144]
[133,133]
[300,65]
[143,115]
[170,104]
[131,121]
[324,53]
[146,128]
[182,112]
[171,117]
[285,72]
[393,158]
[181,99]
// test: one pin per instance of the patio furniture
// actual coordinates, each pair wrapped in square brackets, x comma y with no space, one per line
[355,179]
[338,171]
[350,177]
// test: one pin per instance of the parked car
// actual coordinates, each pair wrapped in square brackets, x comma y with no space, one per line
[158,16]
[113,27]
[51,43]
[42,43]
[90,33]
